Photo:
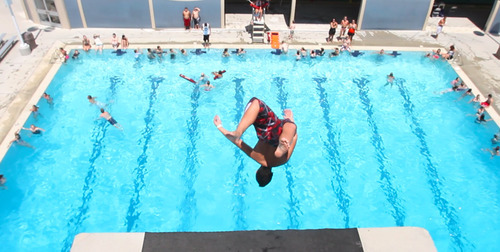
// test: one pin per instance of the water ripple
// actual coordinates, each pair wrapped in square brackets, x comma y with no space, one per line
[378,144]
[445,210]
[142,160]
[293,203]
[98,135]
[239,190]
[188,206]
[334,158]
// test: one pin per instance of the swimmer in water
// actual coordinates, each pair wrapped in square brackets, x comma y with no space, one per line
[34,110]
[475,99]
[110,119]
[390,79]
[3,180]
[480,119]
[240,51]
[34,129]
[208,86]
[93,101]
[20,141]
[48,98]
[495,139]
[203,79]
[218,75]
[494,152]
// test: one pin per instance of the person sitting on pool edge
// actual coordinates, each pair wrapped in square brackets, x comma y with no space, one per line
[277,138]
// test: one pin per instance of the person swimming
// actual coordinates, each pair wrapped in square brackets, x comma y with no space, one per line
[390,79]
[34,129]
[93,101]
[218,74]
[17,139]
[110,119]
[203,79]
[34,110]
[494,152]
[48,98]
[208,86]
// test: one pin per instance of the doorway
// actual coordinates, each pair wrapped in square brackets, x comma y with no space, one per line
[477,11]
[323,11]
[47,11]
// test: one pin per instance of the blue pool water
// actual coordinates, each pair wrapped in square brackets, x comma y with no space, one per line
[368,155]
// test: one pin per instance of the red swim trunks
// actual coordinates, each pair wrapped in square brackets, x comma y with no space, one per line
[267,125]
[187,23]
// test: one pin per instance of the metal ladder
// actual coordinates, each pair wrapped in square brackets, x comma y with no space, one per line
[258,28]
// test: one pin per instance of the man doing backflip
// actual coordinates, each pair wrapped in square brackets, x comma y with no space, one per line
[277,137]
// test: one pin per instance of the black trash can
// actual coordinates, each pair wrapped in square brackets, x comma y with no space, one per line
[29,39]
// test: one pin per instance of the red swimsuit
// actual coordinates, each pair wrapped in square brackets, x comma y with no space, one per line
[267,125]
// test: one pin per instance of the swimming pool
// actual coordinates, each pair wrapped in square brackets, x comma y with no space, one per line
[368,155]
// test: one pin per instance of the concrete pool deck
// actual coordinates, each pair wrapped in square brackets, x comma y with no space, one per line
[24,77]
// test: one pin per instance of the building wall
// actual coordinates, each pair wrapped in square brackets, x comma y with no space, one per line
[395,14]
[117,13]
[75,20]
[168,14]
[136,13]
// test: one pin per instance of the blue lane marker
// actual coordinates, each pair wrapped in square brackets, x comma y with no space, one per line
[188,205]
[293,202]
[385,180]
[240,188]
[445,210]
[98,135]
[142,160]
[334,158]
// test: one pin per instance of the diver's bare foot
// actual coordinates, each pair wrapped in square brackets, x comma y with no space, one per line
[288,114]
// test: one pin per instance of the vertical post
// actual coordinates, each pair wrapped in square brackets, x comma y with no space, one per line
[431,4]
[361,14]
[8,3]
[152,14]
[491,18]
[82,14]
[222,14]
[292,11]
[24,48]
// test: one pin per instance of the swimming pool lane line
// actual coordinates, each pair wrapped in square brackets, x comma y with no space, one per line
[240,183]
[293,202]
[385,180]
[147,134]
[447,212]
[98,133]
[334,158]
[188,207]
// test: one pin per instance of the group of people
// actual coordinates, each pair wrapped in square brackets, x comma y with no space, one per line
[99,45]
[457,85]
[438,54]
[188,16]
[345,26]
[158,53]
[303,53]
